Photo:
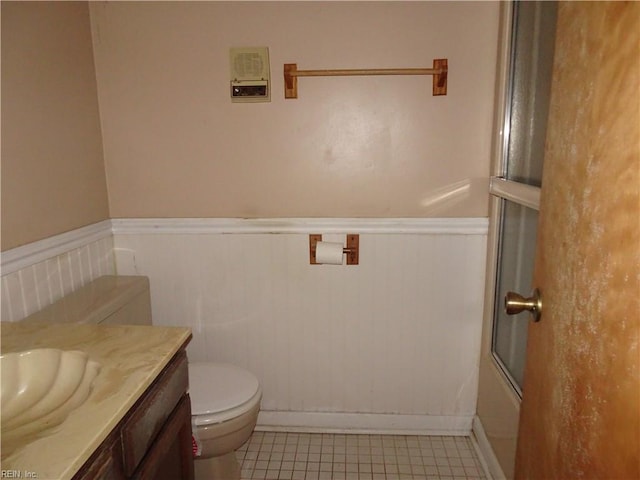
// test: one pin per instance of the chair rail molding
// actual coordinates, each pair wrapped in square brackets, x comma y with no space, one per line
[461,226]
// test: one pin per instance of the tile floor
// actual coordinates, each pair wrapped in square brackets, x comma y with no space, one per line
[319,456]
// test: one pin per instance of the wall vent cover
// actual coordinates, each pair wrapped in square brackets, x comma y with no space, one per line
[250,76]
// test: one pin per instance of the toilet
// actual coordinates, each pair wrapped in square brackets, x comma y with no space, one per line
[225,399]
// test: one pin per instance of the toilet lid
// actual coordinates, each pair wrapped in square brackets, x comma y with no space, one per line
[218,387]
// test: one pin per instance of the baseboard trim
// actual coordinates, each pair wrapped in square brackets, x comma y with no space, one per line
[38,251]
[459,226]
[319,422]
[493,470]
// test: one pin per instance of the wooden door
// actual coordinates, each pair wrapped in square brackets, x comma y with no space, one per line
[580,413]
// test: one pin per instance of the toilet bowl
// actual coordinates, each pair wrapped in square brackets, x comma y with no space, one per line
[225,401]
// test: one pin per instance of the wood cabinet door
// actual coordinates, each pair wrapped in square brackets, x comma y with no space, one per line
[106,464]
[580,413]
[171,456]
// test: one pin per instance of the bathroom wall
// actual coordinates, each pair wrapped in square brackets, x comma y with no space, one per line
[175,145]
[53,177]
[391,344]
[56,235]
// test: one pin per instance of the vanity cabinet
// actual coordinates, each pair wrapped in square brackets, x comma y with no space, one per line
[153,441]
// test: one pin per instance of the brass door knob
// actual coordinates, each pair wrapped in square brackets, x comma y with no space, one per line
[515,303]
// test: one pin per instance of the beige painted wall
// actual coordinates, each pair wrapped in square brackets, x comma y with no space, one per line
[53,177]
[175,146]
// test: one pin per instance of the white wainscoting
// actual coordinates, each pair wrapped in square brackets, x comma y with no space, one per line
[389,345]
[38,274]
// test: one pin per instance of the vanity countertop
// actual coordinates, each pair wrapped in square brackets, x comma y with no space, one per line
[131,357]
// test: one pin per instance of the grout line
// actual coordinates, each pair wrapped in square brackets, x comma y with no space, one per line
[313,456]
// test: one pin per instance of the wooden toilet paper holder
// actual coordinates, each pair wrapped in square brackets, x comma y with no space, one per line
[351,250]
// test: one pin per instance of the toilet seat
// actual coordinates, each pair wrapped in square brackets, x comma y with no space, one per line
[220,392]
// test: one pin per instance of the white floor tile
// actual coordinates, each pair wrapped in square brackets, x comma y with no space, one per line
[313,456]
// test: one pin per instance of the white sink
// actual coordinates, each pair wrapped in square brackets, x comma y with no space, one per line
[40,387]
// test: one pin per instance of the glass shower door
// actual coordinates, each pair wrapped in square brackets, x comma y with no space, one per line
[515,271]
[518,189]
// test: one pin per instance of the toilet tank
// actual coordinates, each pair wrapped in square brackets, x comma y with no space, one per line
[123,300]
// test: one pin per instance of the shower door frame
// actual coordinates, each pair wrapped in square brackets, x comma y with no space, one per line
[496,422]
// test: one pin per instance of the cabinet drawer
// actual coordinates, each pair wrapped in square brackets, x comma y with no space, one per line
[149,416]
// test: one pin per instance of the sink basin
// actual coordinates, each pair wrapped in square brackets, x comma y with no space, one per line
[40,387]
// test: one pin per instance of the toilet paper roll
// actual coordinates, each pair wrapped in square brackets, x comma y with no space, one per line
[329,253]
